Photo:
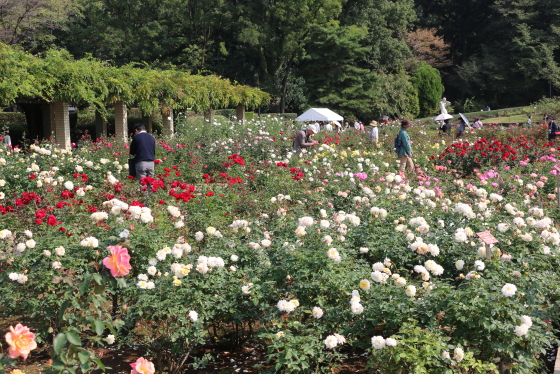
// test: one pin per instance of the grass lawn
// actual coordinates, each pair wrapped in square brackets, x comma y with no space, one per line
[521,118]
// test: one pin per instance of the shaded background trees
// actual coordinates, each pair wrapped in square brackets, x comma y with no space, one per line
[356,56]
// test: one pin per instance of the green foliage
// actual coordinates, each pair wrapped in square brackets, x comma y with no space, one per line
[233,255]
[332,74]
[427,82]
[58,77]
[396,96]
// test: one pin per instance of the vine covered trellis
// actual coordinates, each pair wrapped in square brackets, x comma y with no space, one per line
[57,76]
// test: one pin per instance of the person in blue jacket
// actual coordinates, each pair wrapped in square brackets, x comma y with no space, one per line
[143,148]
[405,149]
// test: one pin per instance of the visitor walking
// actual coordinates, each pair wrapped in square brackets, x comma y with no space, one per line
[303,138]
[461,127]
[404,148]
[553,130]
[143,148]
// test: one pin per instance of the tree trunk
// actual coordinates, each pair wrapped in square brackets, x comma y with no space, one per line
[34,119]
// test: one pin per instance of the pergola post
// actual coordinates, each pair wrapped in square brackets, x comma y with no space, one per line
[60,120]
[47,129]
[121,120]
[167,119]
[147,121]
[240,113]
[100,125]
[209,115]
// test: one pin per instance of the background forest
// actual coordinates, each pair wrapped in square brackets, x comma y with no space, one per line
[363,58]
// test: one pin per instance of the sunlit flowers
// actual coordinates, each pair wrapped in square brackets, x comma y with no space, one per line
[410,291]
[509,290]
[333,254]
[118,262]
[331,342]
[21,341]
[317,312]
[378,342]
[90,242]
[458,354]
[305,221]
[142,366]
[287,306]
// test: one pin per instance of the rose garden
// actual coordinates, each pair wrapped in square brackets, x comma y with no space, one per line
[312,259]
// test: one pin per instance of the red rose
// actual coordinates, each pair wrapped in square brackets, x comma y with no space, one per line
[209,193]
[52,220]
[40,214]
[32,176]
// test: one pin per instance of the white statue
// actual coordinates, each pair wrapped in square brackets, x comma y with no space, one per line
[443,115]
[442,105]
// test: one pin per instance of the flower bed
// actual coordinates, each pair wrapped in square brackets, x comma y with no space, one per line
[313,258]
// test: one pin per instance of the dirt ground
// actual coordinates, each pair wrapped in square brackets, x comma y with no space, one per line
[242,361]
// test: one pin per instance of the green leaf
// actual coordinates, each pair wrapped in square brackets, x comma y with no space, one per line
[85,284]
[98,279]
[73,338]
[59,342]
[57,365]
[83,356]
[121,282]
[86,366]
[98,326]
[98,290]
[98,362]
[63,308]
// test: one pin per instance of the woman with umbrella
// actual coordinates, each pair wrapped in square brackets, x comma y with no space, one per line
[463,123]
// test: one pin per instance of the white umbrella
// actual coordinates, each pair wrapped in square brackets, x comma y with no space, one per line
[443,117]
[466,120]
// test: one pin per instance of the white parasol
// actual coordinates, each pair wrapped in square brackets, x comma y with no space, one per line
[443,117]
[466,120]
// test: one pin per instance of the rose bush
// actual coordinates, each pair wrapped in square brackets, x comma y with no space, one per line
[315,256]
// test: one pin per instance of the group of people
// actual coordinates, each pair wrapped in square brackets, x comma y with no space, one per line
[461,126]
[403,147]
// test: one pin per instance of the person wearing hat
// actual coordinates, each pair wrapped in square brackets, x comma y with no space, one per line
[303,138]
[553,129]
[374,133]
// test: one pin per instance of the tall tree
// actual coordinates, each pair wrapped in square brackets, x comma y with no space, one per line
[332,74]
[31,22]
[275,33]
[386,21]
[427,82]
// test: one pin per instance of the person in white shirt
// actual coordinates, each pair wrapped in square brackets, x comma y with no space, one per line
[374,133]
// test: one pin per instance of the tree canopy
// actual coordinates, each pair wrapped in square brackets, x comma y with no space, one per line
[57,76]
[500,52]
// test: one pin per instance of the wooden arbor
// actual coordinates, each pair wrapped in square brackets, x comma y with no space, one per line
[43,87]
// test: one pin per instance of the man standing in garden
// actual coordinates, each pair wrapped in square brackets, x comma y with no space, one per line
[143,148]
[552,128]
[404,148]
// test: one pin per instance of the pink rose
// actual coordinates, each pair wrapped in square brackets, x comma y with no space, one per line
[142,366]
[21,341]
[118,262]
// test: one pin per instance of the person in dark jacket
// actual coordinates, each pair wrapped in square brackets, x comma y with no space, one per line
[143,148]
[553,129]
